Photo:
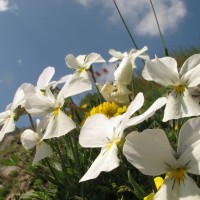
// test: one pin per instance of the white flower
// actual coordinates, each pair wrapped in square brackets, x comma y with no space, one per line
[51,106]
[29,139]
[151,153]
[8,117]
[164,72]
[99,131]
[123,73]
[82,63]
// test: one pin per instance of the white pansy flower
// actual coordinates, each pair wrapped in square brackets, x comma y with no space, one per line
[50,106]
[123,74]
[30,139]
[82,63]
[151,153]
[8,117]
[99,131]
[164,72]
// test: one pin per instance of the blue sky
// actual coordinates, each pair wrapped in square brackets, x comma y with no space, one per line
[35,34]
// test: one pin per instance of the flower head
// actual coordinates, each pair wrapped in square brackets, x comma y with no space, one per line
[164,72]
[151,153]
[106,133]
[82,63]
[29,139]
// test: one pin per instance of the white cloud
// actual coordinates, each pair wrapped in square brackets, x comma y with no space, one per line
[4,5]
[139,15]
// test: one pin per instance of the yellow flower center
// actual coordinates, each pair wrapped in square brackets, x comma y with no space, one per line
[108,109]
[178,174]
[56,111]
[81,70]
[117,142]
[180,89]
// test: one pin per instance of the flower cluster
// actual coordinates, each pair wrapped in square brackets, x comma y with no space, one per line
[112,125]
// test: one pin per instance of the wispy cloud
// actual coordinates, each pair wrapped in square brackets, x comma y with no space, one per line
[139,15]
[4,5]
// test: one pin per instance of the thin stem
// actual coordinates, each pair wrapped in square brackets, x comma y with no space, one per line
[161,37]
[94,80]
[127,29]
[31,121]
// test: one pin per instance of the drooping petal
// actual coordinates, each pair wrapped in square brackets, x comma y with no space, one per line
[29,139]
[154,107]
[190,63]
[71,62]
[180,106]
[162,71]
[189,134]
[149,151]
[45,77]
[123,73]
[58,126]
[43,150]
[106,161]
[95,131]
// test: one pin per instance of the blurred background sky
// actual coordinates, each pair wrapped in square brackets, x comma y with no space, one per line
[35,34]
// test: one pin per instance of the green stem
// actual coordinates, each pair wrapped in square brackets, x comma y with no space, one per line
[101,99]
[127,29]
[161,36]
[31,121]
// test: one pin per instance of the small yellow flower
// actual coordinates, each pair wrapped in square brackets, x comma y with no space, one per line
[108,109]
[158,182]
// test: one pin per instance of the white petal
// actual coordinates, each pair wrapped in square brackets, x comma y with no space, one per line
[135,105]
[189,134]
[106,161]
[43,150]
[154,107]
[29,139]
[192,77]
[74,86]
[45,77]
[4,116]
[179,106]
[39,105]
[163,71]
[93,58]
[71,62]
[95,131]
[149,151]
[8,127]
[116,55]
[59,126]
[190,63]
[123,73]
[191,158]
